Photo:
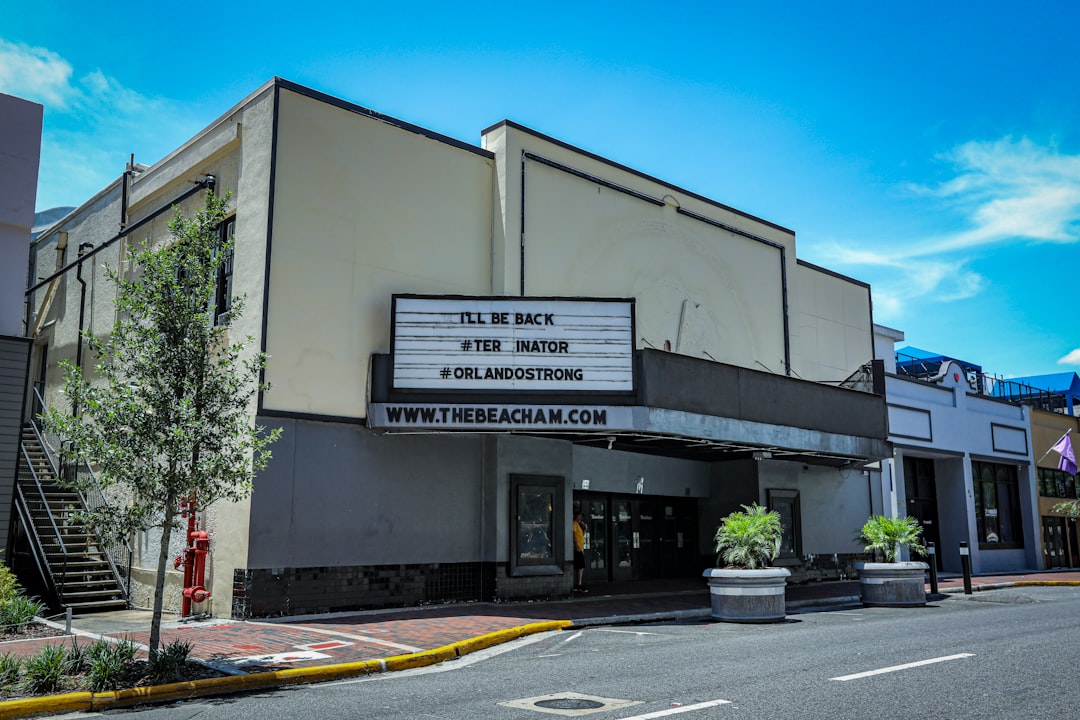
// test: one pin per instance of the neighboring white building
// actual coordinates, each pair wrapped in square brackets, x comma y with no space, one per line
[388,488]
[962,462]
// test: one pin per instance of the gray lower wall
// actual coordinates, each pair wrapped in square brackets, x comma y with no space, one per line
[732,484]
[14,361]
[338,494]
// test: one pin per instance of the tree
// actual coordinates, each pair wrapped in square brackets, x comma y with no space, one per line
[167,420]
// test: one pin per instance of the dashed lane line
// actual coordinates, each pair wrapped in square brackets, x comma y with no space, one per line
[679,709]
[905,666]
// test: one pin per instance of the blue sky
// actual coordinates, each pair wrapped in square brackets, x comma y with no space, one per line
[930,149]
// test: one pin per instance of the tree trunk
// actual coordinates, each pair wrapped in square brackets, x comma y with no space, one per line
[159,585]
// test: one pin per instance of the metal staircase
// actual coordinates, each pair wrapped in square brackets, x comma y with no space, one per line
[76,567]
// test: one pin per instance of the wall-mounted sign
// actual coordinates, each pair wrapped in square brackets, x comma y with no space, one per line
[428,416]
[513,344]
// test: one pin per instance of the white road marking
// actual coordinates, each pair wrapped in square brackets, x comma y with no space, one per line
[575,636]
[625,632]
[905,666]
[361,638]
[680,709]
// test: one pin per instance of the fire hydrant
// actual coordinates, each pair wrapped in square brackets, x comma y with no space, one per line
[193,561]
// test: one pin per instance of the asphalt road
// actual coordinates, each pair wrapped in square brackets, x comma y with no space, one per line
[1001,654]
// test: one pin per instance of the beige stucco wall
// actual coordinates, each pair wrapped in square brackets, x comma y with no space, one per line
[236,150]
[362,210]
[831,326]
[710,292]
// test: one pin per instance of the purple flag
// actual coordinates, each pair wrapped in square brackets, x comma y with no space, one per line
[1068,458]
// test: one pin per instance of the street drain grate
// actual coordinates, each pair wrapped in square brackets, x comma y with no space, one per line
[567,703]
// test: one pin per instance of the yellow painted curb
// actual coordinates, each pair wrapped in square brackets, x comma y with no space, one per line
[86,701]
[1048,583]
[68,702]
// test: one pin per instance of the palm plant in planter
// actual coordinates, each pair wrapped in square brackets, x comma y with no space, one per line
[892,583]
[745,588]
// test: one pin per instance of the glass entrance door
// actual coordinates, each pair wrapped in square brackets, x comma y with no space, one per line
[1055,543]
[596,539]
[921,489]
[622,540]
[631,537]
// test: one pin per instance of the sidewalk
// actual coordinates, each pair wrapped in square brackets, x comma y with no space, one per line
[312,648]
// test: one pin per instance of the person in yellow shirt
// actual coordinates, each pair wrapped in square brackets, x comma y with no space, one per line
[579,553]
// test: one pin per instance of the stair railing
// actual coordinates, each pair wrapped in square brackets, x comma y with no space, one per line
[32,529]
[93,499]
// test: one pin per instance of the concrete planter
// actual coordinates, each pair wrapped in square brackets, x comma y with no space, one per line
[899,584]
[748,596]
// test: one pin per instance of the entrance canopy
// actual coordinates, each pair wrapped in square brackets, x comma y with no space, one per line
[682,407]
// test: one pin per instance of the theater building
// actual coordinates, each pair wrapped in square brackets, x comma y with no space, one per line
[467,342]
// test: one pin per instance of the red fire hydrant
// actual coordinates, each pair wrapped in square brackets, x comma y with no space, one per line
[193,561]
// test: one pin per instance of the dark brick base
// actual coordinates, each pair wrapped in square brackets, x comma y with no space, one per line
[269,592]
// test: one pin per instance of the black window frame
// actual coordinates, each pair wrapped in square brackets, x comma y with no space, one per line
[223,289]
[775,499]
[522,527]
[999,483]
[1056,483]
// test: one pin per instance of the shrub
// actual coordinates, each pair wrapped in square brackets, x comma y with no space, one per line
[76,659]
[888,534]
[10,668]
[44,672]
[169,660]
[107,664]
[749,539]
[19,611]
[9,585]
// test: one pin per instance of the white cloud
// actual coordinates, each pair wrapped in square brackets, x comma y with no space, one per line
[93,123]
[1005,191]
[1010,190]
[1072,358]
[35,74]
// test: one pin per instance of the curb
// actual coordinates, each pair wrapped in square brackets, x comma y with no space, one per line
[1016,583]
[92,702]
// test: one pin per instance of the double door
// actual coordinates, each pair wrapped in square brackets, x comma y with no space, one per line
[1059,543]
[634,537]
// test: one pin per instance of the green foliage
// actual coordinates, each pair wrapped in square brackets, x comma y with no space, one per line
[168,416]
[44,672]
[164,667]
[10,670]
[77,657]
[108,663]
[16,613]
[749,539]
[888,535]
[1068,508]
[9,584]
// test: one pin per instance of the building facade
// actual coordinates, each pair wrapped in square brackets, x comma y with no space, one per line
[729,371]
[962,462]
[20,150]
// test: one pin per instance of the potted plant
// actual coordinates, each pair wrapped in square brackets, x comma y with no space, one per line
[745,589]
[892,583]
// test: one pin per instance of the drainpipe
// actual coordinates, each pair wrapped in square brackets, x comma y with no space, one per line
[83,249]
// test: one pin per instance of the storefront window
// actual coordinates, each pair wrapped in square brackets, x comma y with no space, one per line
[786,503]
[538,521]
[1056,483]
[997,505]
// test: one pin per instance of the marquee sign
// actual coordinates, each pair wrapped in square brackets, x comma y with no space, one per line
[513,344]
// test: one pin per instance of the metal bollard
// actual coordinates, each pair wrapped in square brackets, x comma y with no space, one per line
[67,621]
[931,555]
[965,563]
